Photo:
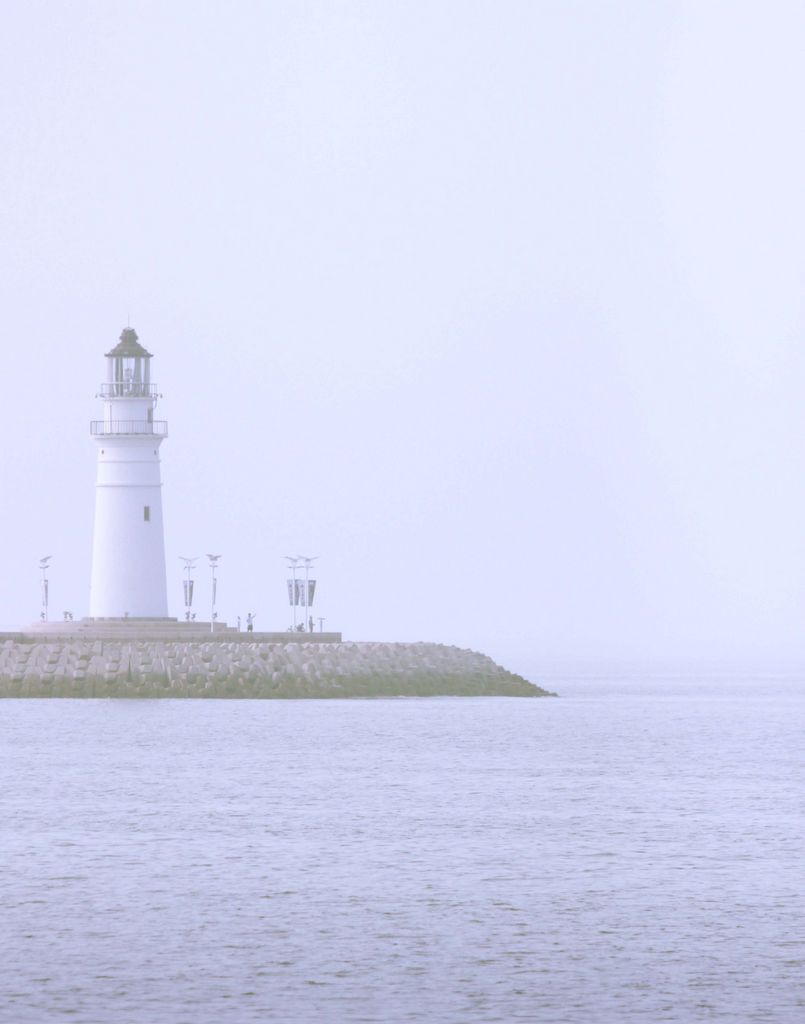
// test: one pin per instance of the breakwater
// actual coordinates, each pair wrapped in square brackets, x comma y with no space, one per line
[142,668]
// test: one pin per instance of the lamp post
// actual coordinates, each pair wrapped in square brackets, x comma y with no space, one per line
[291,560]
[308,562]
[43,565]
[213,566]
[189,565]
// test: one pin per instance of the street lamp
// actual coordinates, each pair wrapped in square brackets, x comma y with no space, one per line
[213,566]
[188,582]
[308,562]
[43,565]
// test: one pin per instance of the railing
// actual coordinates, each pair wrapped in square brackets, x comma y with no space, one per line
[118,428]
[128,389]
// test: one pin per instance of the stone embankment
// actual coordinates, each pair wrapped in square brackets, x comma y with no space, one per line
[104,668]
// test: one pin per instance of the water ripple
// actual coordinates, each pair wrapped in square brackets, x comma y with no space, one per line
[617,855]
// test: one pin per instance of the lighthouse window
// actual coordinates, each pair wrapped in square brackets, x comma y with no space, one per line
[147,513]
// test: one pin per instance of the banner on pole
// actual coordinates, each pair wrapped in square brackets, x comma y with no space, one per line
[188,593]
[296,592]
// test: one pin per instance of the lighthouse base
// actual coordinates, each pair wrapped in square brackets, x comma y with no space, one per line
[133,628]
[160,630]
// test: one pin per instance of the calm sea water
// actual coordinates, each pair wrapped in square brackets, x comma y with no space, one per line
[629,852]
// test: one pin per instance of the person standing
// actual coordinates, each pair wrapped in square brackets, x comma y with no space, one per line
[250,623]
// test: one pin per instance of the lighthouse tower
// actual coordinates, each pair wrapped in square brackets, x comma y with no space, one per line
[128,552]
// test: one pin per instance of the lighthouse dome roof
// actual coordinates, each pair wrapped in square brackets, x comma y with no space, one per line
[129,346]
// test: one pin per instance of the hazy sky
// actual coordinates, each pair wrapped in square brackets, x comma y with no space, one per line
[495,306]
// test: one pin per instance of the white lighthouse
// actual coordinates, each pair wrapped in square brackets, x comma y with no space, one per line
[128,552]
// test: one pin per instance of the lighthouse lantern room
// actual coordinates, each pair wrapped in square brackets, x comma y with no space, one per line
[128,552]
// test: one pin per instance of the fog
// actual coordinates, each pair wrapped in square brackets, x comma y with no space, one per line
[497,308]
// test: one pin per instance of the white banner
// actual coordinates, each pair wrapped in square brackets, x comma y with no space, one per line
[296,594]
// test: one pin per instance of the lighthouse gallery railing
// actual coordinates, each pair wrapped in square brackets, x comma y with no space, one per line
[122,428]
[128,389]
